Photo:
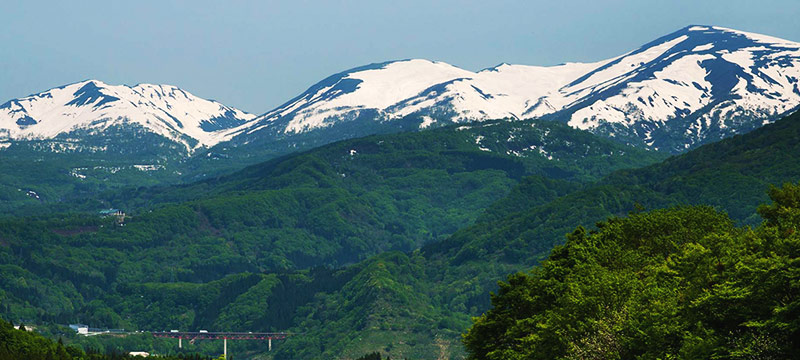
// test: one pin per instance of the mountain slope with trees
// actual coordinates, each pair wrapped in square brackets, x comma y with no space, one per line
[327,207]
[407,303]
[513,235]
[676,283]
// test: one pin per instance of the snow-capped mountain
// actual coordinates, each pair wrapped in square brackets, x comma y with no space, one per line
[696,85]
[693,86]
[92,106]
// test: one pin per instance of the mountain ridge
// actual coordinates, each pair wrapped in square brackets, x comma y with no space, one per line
[693,86]
[700,82]
[94,105]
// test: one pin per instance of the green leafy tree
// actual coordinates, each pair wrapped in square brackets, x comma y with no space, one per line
[676,283]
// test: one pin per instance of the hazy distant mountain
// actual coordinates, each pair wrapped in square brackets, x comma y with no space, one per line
[690,87]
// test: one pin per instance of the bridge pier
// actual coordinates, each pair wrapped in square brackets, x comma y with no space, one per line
[180,344]
[225,347]
[270,344]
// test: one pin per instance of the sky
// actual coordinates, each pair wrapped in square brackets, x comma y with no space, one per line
[256,55]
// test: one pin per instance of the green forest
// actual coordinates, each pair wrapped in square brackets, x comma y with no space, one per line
[678,283]
[392,244]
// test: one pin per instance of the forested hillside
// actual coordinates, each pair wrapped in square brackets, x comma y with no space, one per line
[239,252]
[514,235]
[414,304]
[732,175]
[183,254]
[41,176]
[675,283]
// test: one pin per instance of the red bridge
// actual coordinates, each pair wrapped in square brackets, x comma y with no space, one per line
[225,336]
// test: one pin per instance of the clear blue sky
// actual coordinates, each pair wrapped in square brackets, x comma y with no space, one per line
[256,55]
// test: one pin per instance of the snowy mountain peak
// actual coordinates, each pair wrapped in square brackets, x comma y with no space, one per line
[706,30]
[94,105]
[698,84]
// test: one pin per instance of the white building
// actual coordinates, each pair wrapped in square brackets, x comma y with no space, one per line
[80,328]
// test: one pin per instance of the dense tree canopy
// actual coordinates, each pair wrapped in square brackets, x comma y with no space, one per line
[675,283]
[326,207]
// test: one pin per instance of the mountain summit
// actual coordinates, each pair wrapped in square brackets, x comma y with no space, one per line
[95,106]
[696,85]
